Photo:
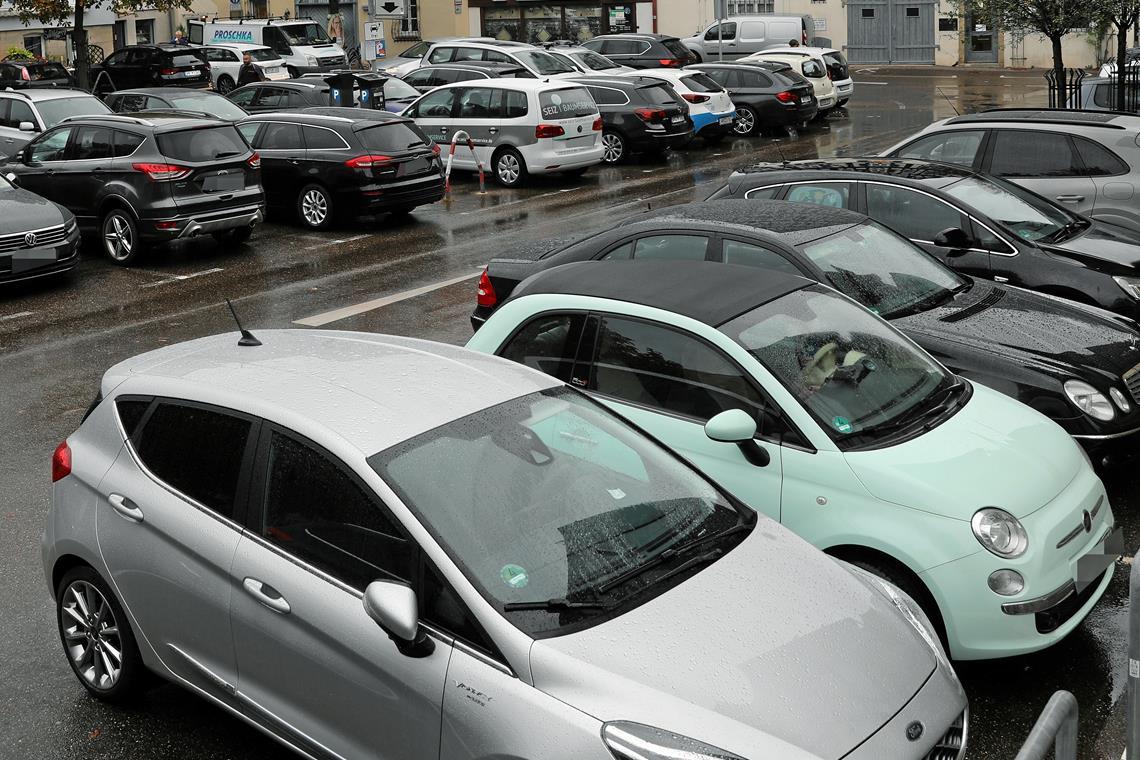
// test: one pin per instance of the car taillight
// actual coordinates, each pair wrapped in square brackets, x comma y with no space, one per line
[162,172]
[803,37]
[693,97]
[254,161]
[787,96]
[167,72]
[650,114]
[24,75]
[367,162]
[61,462]
[485,291]
[548,130]
[669,63]
[598,124]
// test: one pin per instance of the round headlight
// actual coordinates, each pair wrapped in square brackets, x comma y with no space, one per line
[1120,400]
[1006,582]
[1000,532]
[1089,400]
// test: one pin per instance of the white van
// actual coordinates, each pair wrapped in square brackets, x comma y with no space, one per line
[225,63]
[518,126]
[744,35]
[301,43]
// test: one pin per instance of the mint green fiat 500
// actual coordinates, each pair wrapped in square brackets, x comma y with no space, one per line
[823,416]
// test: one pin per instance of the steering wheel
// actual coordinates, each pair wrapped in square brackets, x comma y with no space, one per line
[813,373]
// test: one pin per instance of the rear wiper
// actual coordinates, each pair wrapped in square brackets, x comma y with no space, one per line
[558,604]
[228,153]
[670,554]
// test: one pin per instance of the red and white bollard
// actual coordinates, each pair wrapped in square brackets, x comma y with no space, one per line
[451,156]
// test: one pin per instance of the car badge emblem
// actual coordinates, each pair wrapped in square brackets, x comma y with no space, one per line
[30,239]
[1086,518]
[223,171]
[914,731]
[579,127]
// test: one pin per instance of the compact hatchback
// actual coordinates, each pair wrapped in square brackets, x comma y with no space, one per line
[641,51]
[814,69]
[372,546]
[710,107]
[764,98]
[147,178]
[18,73]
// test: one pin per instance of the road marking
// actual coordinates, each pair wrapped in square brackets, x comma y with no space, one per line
[17,315]
[338,241]
[181,277]
[877,83]
[328,317]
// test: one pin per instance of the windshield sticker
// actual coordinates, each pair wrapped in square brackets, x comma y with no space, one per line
[514,576]
[617,493]
[842,424]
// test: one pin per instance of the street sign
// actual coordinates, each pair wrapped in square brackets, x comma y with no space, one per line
[373,30]
[721,9]
[389,9]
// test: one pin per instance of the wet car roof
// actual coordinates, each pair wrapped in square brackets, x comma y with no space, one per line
[902,169]
[796,223]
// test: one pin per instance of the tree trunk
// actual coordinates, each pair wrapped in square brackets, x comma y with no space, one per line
[79,37]
[1059,71]
[1121,62]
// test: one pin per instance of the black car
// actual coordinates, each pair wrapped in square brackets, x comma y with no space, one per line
[1070,363]
[764,98]
[640,114]
[321,163]
[150,177]
[37,237]
[978,224]
[429,77]
[18,73]
[310,92]
[151,66]
[175,99]
[642,51]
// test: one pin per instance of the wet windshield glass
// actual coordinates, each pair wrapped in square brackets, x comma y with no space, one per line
[1026,216]
[207,102]
[855,373]
[55,111]
[551,497]
[305,34]
[883,271]
[544,63]
[262,54]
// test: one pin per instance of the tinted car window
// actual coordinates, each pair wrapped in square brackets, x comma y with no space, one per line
[910,213]
[752,255]
[129,103]
[93,143]
[605,96]
[127,143]
[56,110]
[830,194]
[47,71]
[658,95]
[701,83]
[396,136]
[51,147]
[281,136]
[19,112]
[244,97]
[206,144]
[182,60]
[814,69]
[547,343]
[131,412]
[480,103]
[723,77]
[468,54]
[314,510]
[322,139]
[1018,153]
[677,247]
[677,48]
[496,56]
[516,105]
[764,193]
[196,451]
[440,55]
[1099,161]
[426,78]
[952,147]
[755,79]
[273,97]
[726,31]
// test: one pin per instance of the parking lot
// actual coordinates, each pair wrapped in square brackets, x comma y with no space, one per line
[415,276]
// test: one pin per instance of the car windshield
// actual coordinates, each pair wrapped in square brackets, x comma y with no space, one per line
[305,34]
[544,63]
[56,110]
[1024,214]
[550,497]
[208,103]
[261,54]
[594,61]
[398,89]
[885,272]
[856,374]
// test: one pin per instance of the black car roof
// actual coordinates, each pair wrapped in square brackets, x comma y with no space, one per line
[160,121]
[796,222]
[888,167]
[705,291]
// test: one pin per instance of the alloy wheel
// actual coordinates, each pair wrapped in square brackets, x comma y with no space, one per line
[314,207]
[91,635]
[745,121]
[118,238]
[508,169]
[613,148]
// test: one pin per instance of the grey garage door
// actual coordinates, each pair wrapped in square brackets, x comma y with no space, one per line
[890,31]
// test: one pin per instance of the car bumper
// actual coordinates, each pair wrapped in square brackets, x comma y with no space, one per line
[19,266]
[415,192]
[326,68]
[174,228]
[844,89]
[658,140]
[713,123]
[547,162]
[825,103]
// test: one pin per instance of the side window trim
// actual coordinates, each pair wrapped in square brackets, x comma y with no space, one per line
[962,215]
[780,190]
[1008,254]
[343,145]
[793,260]
[711,244]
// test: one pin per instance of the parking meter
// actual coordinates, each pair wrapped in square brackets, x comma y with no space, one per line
[371,90]
[340,89]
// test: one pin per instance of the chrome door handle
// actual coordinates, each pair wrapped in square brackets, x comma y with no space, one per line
[999,278]
[125,507]
[1070,198]
[494,130]
[266,594]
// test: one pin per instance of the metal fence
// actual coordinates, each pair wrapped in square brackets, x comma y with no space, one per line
[1084,91]
[1055,733]
[1071,82]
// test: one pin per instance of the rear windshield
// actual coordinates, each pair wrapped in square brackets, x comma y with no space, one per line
[183,59]
[261,54]
[393,137]
[46,71]
[835,58]
[658,95]
[55,111]
[545,63]
[701,83]
[567,104]
[677,48]
[398,89]
[208,103]
[814,69]
[205,144]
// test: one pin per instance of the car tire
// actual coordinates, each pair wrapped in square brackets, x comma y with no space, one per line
[842,103]
[225,84]
[614,148]
[236,236]
[747,121]
[314,207]
[97,637]
[914,589]
[509,167]
[120,235]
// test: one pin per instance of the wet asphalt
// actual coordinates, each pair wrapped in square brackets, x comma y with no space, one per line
[56,339]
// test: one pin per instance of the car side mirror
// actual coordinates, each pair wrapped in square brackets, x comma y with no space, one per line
[12,178]
[954,238]
[738,426]
[27,126]
[394,607]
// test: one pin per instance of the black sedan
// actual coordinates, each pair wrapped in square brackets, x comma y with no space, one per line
[639,114]
[37,237]
[764,97]
[978,224]
[175,99]
[1078,366]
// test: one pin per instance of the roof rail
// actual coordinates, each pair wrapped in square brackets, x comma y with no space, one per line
[18,92]
[112,116]
[1012,109]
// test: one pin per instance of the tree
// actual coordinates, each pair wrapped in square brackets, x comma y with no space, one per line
[62,11]
[1122,14]
[1051,18]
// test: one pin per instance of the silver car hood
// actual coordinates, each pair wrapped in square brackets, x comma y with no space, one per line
[748,654]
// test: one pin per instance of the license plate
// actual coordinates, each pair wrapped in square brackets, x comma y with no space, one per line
[221,183]
[272,70]
[678,119]
[415,166]
[189,74]
[726,119]
[805,100]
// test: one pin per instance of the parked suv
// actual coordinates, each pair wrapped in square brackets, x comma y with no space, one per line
[642,51]
[639,115]
[18,73]
[147,178]
[1087,160]
[326,162]
[226,61]
[25,113]
[151,66]
[538,61]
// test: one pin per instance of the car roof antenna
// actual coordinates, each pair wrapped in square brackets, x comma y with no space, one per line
[247,338]
[948,100]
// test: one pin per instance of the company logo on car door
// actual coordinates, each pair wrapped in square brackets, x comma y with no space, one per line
[474,695]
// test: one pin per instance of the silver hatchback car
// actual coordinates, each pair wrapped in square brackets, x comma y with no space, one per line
[378,547]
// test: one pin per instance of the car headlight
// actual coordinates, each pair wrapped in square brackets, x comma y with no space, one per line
[636,741]
[1130,285]
[1089,400]
[1120,400]
[312,60]
[1000,532]
[71,226]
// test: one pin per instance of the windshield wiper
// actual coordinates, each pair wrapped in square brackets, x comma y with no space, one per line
[669,554]
[1070,229]
[919,412]
[558,604]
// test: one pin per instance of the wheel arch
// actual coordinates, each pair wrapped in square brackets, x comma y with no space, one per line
[859,552]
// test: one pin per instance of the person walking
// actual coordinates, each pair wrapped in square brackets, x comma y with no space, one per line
[249,72]
[793,43]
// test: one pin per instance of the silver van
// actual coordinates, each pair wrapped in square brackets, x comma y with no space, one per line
[745,35]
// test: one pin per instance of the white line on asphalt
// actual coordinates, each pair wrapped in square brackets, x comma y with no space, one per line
[181,277]
[512,203]
[17,315]
[338,241]
[882,83]
[319,320]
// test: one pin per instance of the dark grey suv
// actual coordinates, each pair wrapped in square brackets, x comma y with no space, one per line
[147,178]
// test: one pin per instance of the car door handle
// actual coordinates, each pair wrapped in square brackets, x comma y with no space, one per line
[494,130]
[266,594]
[1070,198]
[126,508]
[49,172]
[294,161]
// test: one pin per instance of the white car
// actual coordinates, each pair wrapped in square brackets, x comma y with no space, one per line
[539,62]
[813,67]
[588,61]
[836,63]
[403,63]
[225,61]
[711,109]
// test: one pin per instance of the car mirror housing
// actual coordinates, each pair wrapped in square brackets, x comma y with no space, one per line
[27,126]
[394,607]
[953,237]
[732,426]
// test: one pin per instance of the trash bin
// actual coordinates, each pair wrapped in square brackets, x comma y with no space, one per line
[341,84]
[371,89]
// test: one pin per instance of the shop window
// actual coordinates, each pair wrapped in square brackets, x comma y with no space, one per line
[502,23]
[144,31]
